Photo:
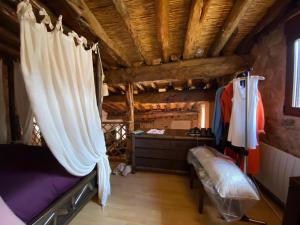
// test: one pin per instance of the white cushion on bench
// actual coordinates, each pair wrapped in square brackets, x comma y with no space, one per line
[228,180]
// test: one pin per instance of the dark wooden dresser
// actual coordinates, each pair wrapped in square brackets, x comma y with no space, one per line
[292,209]
[165,153]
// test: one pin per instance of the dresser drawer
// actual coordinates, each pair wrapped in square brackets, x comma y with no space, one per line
[172,154]
[153,143]
[170,165]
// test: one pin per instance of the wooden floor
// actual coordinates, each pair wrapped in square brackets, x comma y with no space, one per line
[157,199]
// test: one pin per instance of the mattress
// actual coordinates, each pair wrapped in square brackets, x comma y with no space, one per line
[31,179]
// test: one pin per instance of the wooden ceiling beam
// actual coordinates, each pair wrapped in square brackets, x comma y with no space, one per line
[164,97]
[192,32]
[232,21]
[122,10]
[83,11]
[157,114]
[274,16]
[162,12]
[183,70]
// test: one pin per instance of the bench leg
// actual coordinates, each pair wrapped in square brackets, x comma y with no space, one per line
[201,198]
[192,176]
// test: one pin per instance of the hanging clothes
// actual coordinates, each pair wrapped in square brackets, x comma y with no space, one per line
[217,121]
[236,133]
[253,154]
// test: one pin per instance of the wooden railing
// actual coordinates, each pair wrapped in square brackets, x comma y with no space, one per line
[116,139]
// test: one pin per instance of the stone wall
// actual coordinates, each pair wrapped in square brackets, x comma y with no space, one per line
[282,131]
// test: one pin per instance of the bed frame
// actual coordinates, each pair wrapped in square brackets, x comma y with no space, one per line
[65,208]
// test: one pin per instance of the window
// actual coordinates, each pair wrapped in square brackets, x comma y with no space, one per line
[292,91]
[296,75]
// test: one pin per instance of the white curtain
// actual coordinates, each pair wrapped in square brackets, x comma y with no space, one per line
[60,83]
[22,103]
[3,122]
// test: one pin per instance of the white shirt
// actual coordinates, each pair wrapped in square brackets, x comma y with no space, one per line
[236,133]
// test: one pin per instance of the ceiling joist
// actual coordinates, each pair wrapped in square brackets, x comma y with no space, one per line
[83,11]
[165,97]
[122,10]
[192,32]
[162,11]
[272,18]
[232,21]
[183,70]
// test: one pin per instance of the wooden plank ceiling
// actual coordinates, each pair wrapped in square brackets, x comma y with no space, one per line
[158,45]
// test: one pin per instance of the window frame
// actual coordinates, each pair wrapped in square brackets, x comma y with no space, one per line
[292,33]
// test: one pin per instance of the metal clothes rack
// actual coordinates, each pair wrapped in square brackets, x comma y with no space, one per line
[246,79]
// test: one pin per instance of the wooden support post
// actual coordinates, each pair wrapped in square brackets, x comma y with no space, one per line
[130,104]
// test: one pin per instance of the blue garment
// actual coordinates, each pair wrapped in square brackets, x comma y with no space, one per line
[217,121]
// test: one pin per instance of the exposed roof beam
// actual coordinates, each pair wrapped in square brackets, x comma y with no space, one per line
[232,21]
[162,11]
[164,97]
[83,10]
[273,17]
[192,32]
[157,114]
[183,70]
[122,10]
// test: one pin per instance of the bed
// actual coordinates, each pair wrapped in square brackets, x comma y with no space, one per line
[38,189]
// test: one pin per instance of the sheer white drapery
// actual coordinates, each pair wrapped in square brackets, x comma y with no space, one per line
[59,81]
[23,107]
[3,122]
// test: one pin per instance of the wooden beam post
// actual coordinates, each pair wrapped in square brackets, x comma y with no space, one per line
[192,32]
[130,104]
[232,21]
[162,11]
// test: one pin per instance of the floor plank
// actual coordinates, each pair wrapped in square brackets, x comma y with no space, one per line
[158,199]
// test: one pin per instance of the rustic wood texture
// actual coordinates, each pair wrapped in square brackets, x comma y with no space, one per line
[271,18]
[178,19]
[122,10]
[162,11]
[190,69]
[130,105]
[130,34]
[212,18]
[191,33]
[83,11]
[237,13]
[165,97]
[253,15]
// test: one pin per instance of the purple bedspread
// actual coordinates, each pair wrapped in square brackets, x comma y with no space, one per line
[31,179]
